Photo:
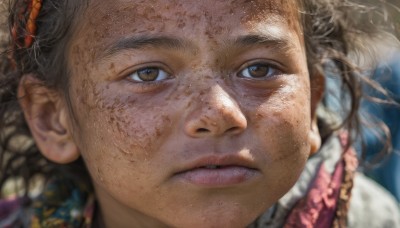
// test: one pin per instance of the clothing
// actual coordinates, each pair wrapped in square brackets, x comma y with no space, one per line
[63,203]
[320,198]
[369,206]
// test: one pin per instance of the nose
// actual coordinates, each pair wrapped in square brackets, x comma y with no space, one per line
[215,113]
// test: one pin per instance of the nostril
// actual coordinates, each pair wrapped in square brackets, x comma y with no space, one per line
[233,129]
[202,130]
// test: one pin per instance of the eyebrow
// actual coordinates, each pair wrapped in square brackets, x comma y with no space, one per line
[146,41]
[276,42]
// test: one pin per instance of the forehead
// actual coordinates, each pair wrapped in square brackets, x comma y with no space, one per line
[149,8]
[105,21]
[156,15]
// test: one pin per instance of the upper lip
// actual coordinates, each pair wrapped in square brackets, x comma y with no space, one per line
[218,160]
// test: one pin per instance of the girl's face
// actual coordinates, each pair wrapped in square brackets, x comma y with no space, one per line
[190,113]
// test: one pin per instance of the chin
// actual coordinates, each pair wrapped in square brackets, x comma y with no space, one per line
[233,216]
[216,221]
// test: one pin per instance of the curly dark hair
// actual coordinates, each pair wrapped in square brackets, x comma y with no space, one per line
[336,33]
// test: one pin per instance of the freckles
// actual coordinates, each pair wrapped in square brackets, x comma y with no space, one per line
[181,19]
[255,11]
[282,130]
[181,23]
[136,129]
[252,8]
[214,27]
[80,59]
[103,168]
[118,20]
[187,91]
[111,70]
[123,19]
[86,97]
[184,93]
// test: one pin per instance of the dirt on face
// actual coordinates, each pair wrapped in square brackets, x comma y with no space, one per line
[230,86]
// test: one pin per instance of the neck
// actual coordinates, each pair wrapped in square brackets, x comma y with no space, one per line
[115,214]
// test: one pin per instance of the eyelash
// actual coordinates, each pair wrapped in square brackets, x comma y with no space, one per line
[136,77]
[245,71]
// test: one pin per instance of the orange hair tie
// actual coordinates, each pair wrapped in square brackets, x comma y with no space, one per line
[29,15]
[31,27]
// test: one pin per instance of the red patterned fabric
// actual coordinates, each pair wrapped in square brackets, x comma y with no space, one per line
[327,201]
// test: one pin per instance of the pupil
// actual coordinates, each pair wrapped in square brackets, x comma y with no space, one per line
[258,71]
[148,74]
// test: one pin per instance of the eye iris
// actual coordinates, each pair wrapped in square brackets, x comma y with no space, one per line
[258,71]
[148,74]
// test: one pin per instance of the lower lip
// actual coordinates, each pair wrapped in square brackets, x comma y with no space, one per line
[222,177]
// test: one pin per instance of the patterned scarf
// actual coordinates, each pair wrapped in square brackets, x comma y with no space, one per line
[63,203]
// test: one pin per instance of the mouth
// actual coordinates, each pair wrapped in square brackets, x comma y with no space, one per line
[218,172]
[212,167]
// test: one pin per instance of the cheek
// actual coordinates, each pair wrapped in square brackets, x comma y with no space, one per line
[285,116]
[283,124]
[118,130]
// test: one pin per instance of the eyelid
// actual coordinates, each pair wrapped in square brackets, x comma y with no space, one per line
[277,65]
[124,74]
[160,73]
[271,64]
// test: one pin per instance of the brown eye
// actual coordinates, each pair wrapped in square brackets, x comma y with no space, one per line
[258,71]
[149,74]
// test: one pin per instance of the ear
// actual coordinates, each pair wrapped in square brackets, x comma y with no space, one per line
[317,91]
[46,115]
